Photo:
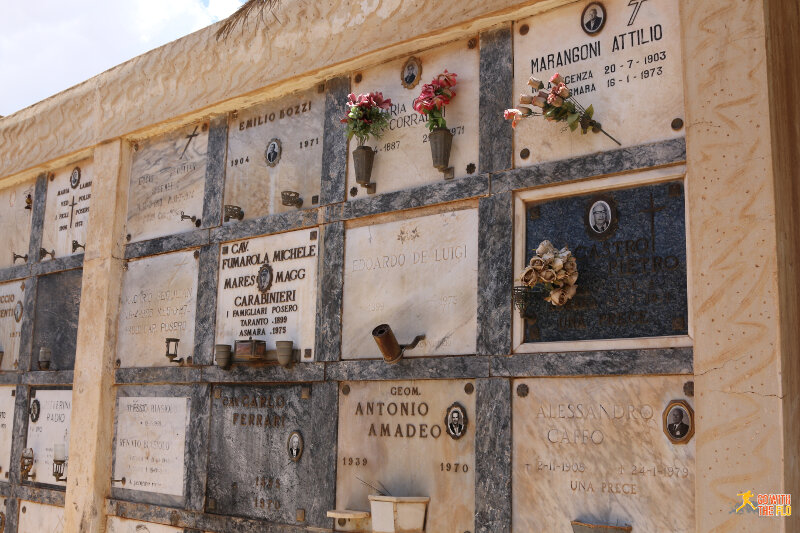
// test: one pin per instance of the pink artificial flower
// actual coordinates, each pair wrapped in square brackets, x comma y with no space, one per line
[446,79]
[380,102]
[556,79]
[555,100]
[538,101]
[514,115]
[563,92]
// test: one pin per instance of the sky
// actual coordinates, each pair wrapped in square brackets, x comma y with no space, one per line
[47,46]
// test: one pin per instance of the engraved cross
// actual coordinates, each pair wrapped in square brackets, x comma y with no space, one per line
[652,210]
[190,137]
[636,5]
[72,210]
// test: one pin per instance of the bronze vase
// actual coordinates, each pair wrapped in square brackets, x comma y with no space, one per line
[441,141]
[363,157]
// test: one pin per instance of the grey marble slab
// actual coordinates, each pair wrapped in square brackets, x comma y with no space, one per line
[206,313]
[598,164]
[265,373]
[37,219]
[215,172]
[15,272]
[18,442]
[278,223]
[469,366]
[155,375]
[170,243]
[334,142]
[69,262]
[330,284]
[58,299]
[47,377]
[26,327]
[431,194]
[493,456]
[10,378]
[40,495]
[496,81]
[591,363]
[495,274]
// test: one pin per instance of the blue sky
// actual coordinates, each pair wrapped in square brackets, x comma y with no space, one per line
[47,46]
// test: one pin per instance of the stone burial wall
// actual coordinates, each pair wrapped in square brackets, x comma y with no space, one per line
[243,226]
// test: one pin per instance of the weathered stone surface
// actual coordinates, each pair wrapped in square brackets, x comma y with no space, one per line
[404,154]
[275,146]
[632,274]
[493,456]
[395,273]
[621,71]
[267,290]
[66,215]
[39,518]
[12,310]
[215,171]
[495,274]
[7,401]
[252,472]
[496,81]
[158,301]
[49,412]
[597,450]
[395,436]
[169,243]
[15,222]
[58,299]
[167,182]
[329,293]
[121,525]
[334,142]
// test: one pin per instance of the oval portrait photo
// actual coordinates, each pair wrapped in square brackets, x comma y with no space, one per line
[600,218]
[593,18]
[679,422]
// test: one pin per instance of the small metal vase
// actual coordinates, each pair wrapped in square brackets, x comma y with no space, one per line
[441,140]
[522,296]
[363,157]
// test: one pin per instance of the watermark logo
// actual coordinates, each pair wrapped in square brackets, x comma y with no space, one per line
[765,504]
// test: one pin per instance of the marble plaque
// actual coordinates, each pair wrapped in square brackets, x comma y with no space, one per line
[15,222]
[268,290]
[404,153]
[629,70]
[123,525]
[12,309]
[40,518]
[58,300]
[402,437]
[251,470]
[159,300]
[167,182]
[7,399]
[150,442]
[596,450]
[66,212]
[630,247]
[418,275]
[273,147]
[49,412]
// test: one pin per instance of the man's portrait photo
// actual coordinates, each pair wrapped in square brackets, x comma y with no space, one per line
[679,422]
[456,421]
[264,279]
[600,216]
[273,153]
[593,18]
[412,70]
[295,446]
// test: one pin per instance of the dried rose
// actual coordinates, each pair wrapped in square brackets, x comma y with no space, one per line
[562,275]
[526,111]
[556,79]
[572,277]
[525,99]
[558,297]
[529,276]
[543,94]
[571,290]
[537,263]
[555,100]
[538,101]
[558,263]
[535,83]
[570,265]
[548,257]
[548,275]
[563,92]
[544,247]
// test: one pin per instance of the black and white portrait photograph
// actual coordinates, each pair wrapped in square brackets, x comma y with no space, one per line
[18,312]
[264,279]
[36,410]
[600,217]
[679,422]
[273,152]
[593,18]
[411,72]
[456,421]
[295,446]
[75,177]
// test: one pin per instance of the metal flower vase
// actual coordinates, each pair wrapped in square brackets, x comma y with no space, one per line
[522,297]
[363,157]
[441,140]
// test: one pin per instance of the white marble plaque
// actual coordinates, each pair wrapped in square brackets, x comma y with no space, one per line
[418,275]
[150,442]
[123,525]
[397,434]
[7,399]
[404,153]
[273,147]
[49,419]
[40,518]
[268,290]
[167,180]
[12,309]
[596,449]
[15,223]
[66,212]
[159,300]
[630,71]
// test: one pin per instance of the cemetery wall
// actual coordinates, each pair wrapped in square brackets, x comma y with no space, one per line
[204,194]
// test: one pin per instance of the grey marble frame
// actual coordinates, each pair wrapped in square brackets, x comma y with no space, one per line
[195,453]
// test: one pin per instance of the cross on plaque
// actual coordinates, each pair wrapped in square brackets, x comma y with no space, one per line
[652,210]
[190,137]
[72,210]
